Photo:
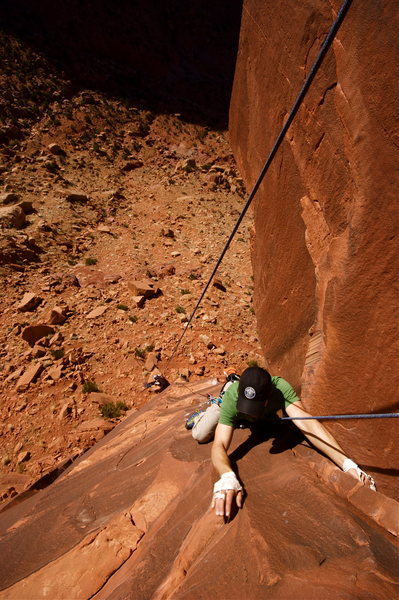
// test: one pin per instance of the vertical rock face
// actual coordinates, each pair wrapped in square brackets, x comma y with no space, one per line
[324,247]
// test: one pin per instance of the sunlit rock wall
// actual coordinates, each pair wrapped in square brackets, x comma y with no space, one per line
[324,249]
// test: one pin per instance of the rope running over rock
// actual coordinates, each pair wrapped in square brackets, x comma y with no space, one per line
[325,46]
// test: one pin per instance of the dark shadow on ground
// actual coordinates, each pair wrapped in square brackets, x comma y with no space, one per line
[176,57]
[286,436]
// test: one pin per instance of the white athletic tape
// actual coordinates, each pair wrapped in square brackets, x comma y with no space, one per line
[228,481]
[350,464]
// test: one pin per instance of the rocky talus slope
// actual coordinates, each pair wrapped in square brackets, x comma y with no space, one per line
[111,220]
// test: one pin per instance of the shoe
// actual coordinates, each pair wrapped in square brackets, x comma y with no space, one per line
[214,400]
[192,419]
[231,374]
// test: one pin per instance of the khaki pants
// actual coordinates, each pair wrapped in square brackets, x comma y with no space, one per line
[204,428]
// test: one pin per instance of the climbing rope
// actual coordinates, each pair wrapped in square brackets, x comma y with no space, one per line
[299,99]
[338,417]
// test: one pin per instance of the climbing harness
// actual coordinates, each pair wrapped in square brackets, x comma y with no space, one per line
[299,99]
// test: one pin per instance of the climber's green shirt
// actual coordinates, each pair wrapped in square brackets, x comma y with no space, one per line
[282,396]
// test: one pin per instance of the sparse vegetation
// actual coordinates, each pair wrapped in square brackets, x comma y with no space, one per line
[184,292]
[140,352]
[91,261]
[112,410]
[252,363]
[180,310]
[58,353]
[193,276]
[51,166]
[90,386]
[122,307]
[133,318]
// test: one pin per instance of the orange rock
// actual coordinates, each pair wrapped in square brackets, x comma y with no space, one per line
[34,333]
[29,302]
[57,316]
[30,376]
[96,312]
[142,288]
[12,216]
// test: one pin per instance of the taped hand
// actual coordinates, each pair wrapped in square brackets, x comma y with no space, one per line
[353,469]
[224,491]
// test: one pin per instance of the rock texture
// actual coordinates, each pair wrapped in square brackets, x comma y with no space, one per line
[131,519]
[324,249]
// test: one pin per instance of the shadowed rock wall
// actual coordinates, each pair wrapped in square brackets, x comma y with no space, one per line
[326,215]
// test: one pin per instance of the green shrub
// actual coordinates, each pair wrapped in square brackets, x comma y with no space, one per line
[133,318]
[193,276]
[180,310]
[184,292]
[90,386]
[252,363]
[140,352]
[112,410]
[51,166]
[91,261]
[122,307]
[57,354]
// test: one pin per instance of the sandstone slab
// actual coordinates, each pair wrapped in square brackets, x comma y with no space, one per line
[136,509]
[29,302]
[96,312]
[29,376]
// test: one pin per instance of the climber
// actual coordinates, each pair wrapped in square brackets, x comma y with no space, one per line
[250,399]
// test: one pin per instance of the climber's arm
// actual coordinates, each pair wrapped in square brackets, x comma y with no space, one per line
[228,485]
[322,439]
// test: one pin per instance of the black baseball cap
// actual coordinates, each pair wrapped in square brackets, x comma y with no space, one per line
[253,391]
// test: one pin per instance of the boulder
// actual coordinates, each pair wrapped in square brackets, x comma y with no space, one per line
[34,333]
[9,198]
[29,302]
[114,508]
[96,312]
[77,198]
[29,376]
[138,301]
[56,149]
[55,373]
[130,165]
[57,316]
[144,287]
[12,216]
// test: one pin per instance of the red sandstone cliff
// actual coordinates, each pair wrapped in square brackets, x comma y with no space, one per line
[324,249]
[131,520]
